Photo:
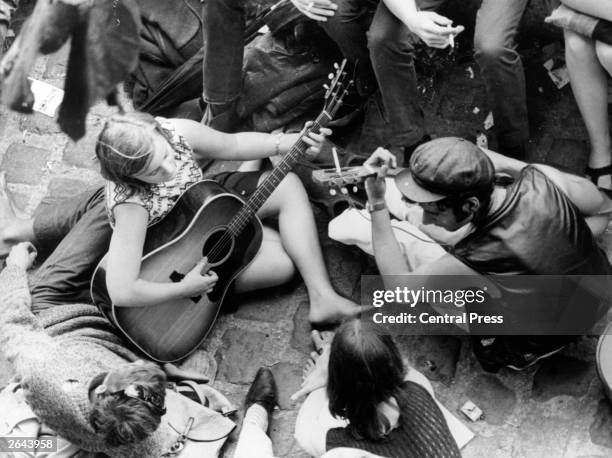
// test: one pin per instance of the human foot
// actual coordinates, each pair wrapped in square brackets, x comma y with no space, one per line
[315,372]
[309,367]
[332,309]
[321,339]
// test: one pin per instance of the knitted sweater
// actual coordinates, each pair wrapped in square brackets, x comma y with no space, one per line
[422,431]
[56,355]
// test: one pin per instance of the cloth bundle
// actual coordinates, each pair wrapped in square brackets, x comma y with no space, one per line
[103,52]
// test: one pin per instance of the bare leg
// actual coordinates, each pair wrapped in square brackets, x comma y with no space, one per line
[590,86]
[298,235]
[14,227]
[251,166]
[271,267]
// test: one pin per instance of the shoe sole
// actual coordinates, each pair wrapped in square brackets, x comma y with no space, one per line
[539,358]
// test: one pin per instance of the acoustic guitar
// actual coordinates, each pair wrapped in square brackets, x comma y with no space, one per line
[207,220]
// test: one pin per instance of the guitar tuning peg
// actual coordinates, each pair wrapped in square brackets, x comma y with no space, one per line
[326,87]
[332,192]
[344,190]
[336,66]
[330,76]
[355,189]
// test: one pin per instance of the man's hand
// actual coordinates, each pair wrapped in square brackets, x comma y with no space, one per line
[381,160]
[435,30]
[22,255]
[318,10]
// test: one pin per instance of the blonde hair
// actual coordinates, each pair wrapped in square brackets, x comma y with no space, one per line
[125,145]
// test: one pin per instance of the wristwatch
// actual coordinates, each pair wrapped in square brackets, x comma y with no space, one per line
[376,207]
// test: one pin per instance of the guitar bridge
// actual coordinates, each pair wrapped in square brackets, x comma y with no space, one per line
[176,277]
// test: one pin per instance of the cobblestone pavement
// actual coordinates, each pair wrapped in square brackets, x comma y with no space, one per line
[556,409]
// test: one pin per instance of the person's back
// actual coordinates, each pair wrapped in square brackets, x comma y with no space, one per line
[379,405]
[537,230]
[421,431]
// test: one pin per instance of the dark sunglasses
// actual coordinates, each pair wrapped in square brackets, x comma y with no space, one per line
[438,204]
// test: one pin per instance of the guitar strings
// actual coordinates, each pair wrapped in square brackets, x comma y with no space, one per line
[239,221]
[242,218]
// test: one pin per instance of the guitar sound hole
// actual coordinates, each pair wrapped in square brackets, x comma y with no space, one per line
[218,246]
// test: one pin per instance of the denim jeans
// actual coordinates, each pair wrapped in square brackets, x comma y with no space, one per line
[497,22]
[223,26]
[375,40]
[78,232]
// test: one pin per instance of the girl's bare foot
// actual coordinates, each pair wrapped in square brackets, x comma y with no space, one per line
[333,308]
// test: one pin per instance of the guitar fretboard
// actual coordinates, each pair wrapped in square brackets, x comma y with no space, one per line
[265,189]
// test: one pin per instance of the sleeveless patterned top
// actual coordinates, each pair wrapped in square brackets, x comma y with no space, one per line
[158,199]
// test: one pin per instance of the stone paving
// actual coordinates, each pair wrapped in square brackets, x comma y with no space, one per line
[557,409]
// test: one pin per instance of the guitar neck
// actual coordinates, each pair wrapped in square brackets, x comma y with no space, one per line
[271,182]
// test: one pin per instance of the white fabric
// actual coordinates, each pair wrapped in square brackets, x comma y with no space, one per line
[253,443]
[18,420]
[420,244]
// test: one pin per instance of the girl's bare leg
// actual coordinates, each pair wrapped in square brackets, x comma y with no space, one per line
[590,85]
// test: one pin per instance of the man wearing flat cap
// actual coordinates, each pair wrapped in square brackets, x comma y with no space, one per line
[531,238]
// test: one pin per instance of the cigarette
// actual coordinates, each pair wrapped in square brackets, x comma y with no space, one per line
[336,160]
[451,38]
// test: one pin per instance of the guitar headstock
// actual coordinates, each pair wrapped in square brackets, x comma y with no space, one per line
[349,177]
[345,181]
[337,88]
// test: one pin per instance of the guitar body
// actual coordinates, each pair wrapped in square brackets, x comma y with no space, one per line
[194,228]
[208,221]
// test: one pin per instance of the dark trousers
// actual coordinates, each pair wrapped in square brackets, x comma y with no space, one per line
[379,42]
[370,36]
[78,232]
[502,70]
[223,25]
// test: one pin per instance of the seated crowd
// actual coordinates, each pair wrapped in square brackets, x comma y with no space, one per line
[487,219]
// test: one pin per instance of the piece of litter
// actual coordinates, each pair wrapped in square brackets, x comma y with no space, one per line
[472,411]
[482,141]
[489,121]
[476,110]
[470,72]
[557,71]
[47,98]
